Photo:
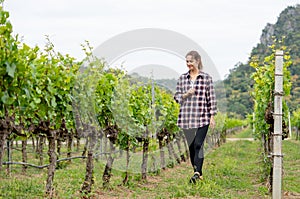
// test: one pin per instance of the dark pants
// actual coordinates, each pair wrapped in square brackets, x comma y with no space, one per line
[195,139]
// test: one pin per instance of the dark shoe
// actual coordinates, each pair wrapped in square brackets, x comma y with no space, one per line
[195,178]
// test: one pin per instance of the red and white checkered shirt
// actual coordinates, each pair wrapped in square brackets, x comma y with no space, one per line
[195,111]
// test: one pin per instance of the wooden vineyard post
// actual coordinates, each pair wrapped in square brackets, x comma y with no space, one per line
[277,135]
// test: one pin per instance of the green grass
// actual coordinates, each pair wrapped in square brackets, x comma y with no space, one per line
[230,171]
[244,133]
[291,166]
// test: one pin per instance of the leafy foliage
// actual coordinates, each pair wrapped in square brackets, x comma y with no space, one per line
[264,89]
[263,94]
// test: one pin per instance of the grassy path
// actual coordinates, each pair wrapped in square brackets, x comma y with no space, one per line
[230,171]
[244,133]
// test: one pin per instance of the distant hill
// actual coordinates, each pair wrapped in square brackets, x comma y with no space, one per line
[155,71]
[162,75]
[238,83]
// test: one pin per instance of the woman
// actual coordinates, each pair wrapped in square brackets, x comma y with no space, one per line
[196,96]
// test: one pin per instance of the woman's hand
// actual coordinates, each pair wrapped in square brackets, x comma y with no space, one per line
[212,122]
[189,93]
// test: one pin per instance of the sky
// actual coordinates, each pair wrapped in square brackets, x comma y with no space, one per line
[226,29]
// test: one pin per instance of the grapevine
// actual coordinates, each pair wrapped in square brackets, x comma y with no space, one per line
[264,99]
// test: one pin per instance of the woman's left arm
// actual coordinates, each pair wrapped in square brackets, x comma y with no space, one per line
[211,101]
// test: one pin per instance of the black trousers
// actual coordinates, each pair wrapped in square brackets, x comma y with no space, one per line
[195,139]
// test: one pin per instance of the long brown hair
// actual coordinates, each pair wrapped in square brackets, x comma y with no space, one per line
[195,55]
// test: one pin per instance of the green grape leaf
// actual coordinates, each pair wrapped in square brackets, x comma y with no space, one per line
[6,99]
[10,69]
[53,102]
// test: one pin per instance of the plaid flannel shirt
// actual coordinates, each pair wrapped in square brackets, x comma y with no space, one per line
[195,111]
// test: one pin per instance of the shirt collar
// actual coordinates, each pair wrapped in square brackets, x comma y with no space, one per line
[201,74]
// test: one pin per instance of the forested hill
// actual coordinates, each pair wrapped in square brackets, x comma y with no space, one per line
[238,83]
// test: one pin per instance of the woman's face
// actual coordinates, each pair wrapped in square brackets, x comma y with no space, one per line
[191,63]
